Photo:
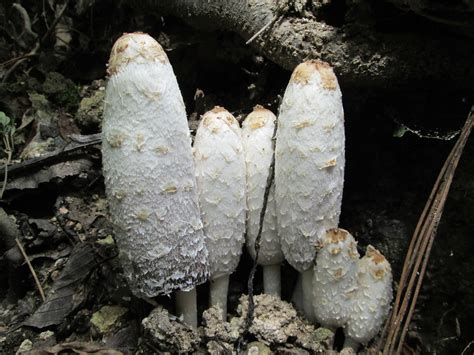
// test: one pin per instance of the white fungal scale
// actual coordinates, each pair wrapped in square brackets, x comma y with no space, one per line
[220,174]
[257,134]
[309,161]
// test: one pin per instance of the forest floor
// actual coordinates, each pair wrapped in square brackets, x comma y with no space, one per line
[65,291]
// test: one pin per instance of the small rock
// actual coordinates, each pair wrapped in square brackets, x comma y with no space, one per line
[109,240]
[167,334]
[347,351]
[89,114]
[25,346]
[218,330]
[218,348]
[257,348]
[292,351]
[324,337]
[46,335]
[107,318]
[277,322]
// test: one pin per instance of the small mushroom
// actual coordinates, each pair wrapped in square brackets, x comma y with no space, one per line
[335,278]
[371,302]
[257,134]
[220,174]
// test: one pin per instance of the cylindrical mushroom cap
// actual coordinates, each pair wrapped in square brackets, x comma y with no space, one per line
[149,171]
[220,174]
[371,303]
[257,134]
[135,48]
[335,277]
[309,161]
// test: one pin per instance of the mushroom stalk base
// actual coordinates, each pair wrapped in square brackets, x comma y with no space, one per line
[271,280]
[307,283]
[219,288]
[297,297]
[186,306]
[351,343]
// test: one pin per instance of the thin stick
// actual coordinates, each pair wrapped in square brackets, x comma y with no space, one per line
[260,31]
[37,46]
[434,225]
[413,249]
[251,305]
[420,248]
[38,284]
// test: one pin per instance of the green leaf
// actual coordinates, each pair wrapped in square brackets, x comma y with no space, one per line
[4,119]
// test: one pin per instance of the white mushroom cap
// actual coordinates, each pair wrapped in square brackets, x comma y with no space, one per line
[309,161]
[149,171]
[136,48]
[371,303]
[335,278]
[220,174]
[257,134]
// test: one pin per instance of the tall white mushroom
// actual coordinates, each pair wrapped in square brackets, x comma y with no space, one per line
[257,134]
[335,278]
[149,173]
[309,166]
[371,302]
[220,174]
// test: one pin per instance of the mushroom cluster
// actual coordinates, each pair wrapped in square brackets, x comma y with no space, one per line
[181,214]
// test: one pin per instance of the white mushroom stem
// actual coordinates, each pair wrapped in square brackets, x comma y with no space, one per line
[257,136]
[186,307]
[272,280]
[220,174]
[307,293]
[309,165]
[352,344]
[149,172]
[297,297]
[218,290]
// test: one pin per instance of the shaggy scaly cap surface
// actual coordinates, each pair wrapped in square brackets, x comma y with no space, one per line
[371,303]
[220,174]
[335,278]
[149,171]
[257,134]
[309,161]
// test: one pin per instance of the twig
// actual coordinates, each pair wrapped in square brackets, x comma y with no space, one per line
[38,284]
[26,19]
[37,46]
[419,250]
[251,304]
[260,31]
[467,347]
[57,154]
[8,142]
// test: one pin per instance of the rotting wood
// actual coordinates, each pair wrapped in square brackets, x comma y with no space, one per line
[360,56]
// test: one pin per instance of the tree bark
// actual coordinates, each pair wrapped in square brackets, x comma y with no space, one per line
[360,57]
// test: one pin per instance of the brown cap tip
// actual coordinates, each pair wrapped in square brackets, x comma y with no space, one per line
[258,117]
[303,72]
[375,255]
[336,235]
[137,47]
